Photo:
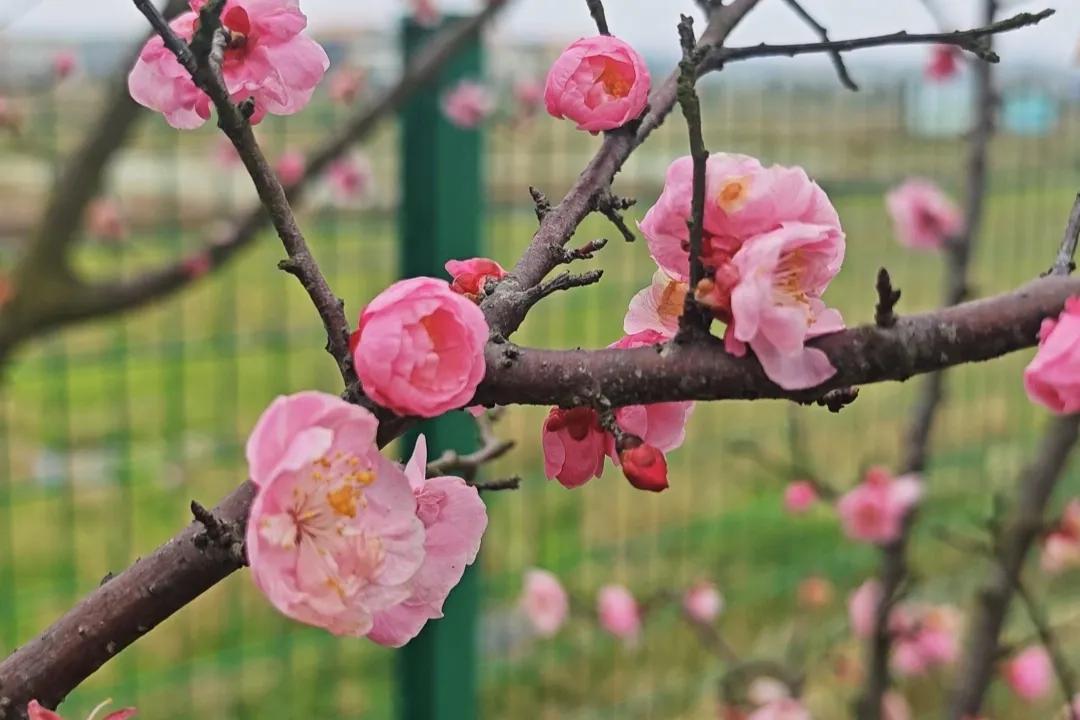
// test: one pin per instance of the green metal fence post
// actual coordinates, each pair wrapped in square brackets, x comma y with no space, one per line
[441,218]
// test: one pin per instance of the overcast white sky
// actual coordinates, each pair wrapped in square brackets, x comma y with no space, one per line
[649,24]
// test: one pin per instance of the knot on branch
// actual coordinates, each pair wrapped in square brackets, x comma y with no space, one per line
[884,315]
[837,400]
[219,534]
[543,206]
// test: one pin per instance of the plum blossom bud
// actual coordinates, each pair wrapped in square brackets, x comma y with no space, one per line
[703,602]
[1030,674]
[1052,379]
[600,83]
[643,465]
[544,602]
[618,612]
[470,276]
[800,496]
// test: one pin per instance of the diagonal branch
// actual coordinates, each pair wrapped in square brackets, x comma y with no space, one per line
[823,33]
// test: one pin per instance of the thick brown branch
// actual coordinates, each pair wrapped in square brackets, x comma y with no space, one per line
[1018,533]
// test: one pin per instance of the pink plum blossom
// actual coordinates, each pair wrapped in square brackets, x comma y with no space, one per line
[874,510]
[657,308]
[776,303]
[923,216]
[574,446]
[1029,674]
[419,348]
[618,612]
[105,221]
[662,425]
[468,104]
[703,602]
[529,96]
[333,537]
[424,12]
[1052,379]
[347,84]
[544,602]
[783,709]
[470,276]
[350,178]
[600,83]
[800,496]
[268,59]
[64,64]
[644,465]
[743,200]
[290,167]
[943,63]
[862,608]
[35,711]
[924,638]
[454,519]
[765,690]
[1061,546]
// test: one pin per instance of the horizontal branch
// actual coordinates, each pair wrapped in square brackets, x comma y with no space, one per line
[973,41]
[971,332]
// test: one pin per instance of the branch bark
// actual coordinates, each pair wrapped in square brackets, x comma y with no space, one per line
[1018,534]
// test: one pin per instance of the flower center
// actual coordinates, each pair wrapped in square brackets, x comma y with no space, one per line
[614,79]
[672,299]
[733,194]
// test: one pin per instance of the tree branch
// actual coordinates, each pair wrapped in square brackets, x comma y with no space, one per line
[975,41]
[1012,544]
[823,33]
[958,251]
[492,447]
[596,9]
[1066,257]
[1062,671]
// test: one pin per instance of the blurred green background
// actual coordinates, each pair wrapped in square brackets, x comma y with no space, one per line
[109,430]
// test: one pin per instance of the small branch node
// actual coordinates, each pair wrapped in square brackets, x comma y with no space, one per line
[884,315]
[543,206]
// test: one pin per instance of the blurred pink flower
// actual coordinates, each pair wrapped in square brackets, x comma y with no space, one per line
[599,82]
[703,602]
[924,218]
[290,167]
[1061,546]
[862,608]
[347,84]
[64,64]
[104,220]
[874,510]
[618,612]
[544,602]
[419,348]
[799,496]
[468,104]
[470,276]
[924,638]
[574,446]
[424,12]
[350,177]
[815,592]
[894,706]
[657,308]
[1052,379]
[454,519]
[333,537]
[529,96]
[268,59]
[1029,673]
[943,63]
[35,711]
[783,709]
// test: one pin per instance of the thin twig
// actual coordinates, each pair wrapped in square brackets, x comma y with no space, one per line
[823,33]
[974,41]
[695,319]
[510,483]
[491,448]
[884,312]
[1066,257]
[611,206]
[596,9]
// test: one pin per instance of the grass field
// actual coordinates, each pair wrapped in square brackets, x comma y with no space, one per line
[109,431]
